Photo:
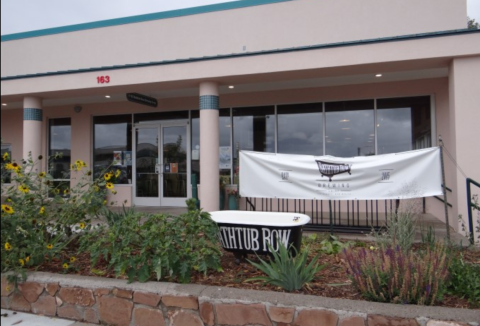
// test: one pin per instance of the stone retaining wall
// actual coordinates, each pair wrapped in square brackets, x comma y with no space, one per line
[114,302]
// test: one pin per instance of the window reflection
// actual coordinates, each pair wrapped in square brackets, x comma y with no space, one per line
[300,129]
[403,124]
[113,146]
[60,139]
[350,128]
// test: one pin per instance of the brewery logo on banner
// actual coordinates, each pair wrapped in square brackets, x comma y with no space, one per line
[329,170]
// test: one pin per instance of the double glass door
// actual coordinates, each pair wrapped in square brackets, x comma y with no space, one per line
[161,164]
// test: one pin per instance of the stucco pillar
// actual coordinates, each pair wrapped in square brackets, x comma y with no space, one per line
[209,142]
[464,100]
[32,127]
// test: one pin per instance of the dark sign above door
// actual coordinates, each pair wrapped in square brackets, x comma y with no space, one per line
[142,99]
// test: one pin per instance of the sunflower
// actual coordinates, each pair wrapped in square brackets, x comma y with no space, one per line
[96,188]
[27,259]
[104,202]
[65,266]
[81,225]
[50,246]
[24,188]
[72,259]
[79,163]
[7,209]
[42,210]
[6,156]
[16,167]
[107,176]
[57,191]
[42,175]
[9,166]
[21,262]
[66,191]
[117,173]
[109,185]
[8,247]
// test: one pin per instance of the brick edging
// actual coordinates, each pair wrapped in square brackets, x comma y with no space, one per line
[114,302]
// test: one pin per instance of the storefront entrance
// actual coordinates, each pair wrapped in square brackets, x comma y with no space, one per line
[161,164]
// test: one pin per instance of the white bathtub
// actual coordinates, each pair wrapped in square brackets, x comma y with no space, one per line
[244,232]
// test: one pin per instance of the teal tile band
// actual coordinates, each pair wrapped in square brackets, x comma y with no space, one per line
[208,102]
[33,114]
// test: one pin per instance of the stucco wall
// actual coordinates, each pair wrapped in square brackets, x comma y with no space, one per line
[281,25]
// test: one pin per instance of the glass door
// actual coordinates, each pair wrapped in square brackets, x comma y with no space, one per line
[161,164]
[174,164]
[146,166]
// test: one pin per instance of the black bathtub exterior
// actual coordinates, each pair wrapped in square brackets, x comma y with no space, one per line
[243,239]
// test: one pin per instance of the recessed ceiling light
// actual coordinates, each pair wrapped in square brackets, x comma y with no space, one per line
[107,96]
[378,75]
[4,104]
[231,86]
[344,120]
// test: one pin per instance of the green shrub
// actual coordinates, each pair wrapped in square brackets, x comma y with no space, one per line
[464,280]
[333,246]
[399,231]
[166,246]
[398,276]
[285,271]
[34,226]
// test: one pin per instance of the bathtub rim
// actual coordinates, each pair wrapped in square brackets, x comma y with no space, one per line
[221,217]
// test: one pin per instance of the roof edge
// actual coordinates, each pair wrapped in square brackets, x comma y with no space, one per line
[248,54]
[140,18]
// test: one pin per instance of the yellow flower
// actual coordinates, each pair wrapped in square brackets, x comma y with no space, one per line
[79,162]
[66,191]
[42,210]
[109,185]
[7,209]
[117,173]
[107,176]
[65,266]
[24,188]
[72,259]
[16,167]
[9,199]
[42,174]
[8,247]
[81,225]
[22,262]
[104,202]
[50,246]
[57,191]
[96,188]
[9,166]
[114,192]
[6,156]
[27,259]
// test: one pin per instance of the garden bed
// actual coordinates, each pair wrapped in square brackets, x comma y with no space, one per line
[332,281]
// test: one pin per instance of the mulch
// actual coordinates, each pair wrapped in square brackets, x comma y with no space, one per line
[331,281]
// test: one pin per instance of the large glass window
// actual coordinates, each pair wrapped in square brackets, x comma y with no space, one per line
[403,124]
[60,146]
[112,146]
[350,128]
[300,129]
[6,157]
[253,130]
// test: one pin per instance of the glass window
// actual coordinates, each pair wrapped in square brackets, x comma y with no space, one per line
[300,129]
[112,146]
[60,146]
[225,150]
[403,124]
[195,144]
[6,158]
[350,128]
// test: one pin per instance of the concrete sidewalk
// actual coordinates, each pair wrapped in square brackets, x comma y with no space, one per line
[12,318]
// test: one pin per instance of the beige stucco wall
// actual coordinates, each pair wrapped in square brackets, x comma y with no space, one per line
[273,26]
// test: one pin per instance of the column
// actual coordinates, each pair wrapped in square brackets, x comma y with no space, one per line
[209,143]
[464,98]
[32,127]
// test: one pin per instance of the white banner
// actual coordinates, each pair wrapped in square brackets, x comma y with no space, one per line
[410,174]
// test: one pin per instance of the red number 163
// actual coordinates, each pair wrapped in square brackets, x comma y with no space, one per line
[103,79]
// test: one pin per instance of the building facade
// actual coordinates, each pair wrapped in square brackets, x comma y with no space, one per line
[333,77]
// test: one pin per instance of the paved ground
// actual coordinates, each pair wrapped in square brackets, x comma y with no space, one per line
[11,318]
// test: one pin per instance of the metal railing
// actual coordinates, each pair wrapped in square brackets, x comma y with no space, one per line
[472,205]
[346,216]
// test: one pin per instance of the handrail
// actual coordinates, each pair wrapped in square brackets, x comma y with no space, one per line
[438,198]
[471,205]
